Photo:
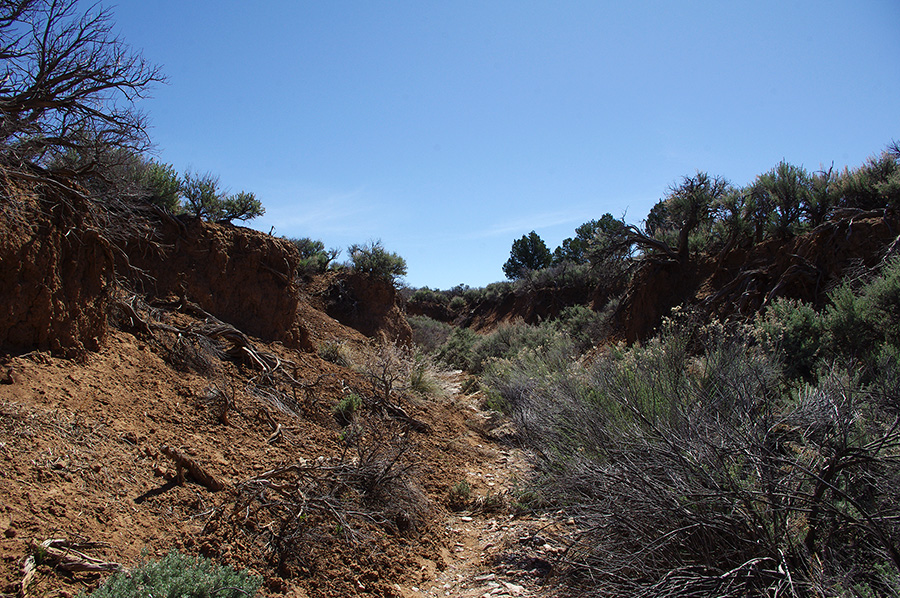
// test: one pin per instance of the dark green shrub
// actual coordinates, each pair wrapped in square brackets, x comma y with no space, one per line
[428,333]
[509,339]
[681,221]
[162,185]
[583,325]
[457,350]
[492,292]
[459,496]
[874,185]
[426,295]
[564,275]
[314,259]
[179,576]
[372,258]
[577,249]
[789,189]
[203,199]
[689,460]
[795,331]
[859,322]
[458,304]
[882,303]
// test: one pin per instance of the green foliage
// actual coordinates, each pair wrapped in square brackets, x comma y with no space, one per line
[428,333]
[686,208]
[859,323]
[314,259]
[694,449]
[823,197]
[426,295]
[240,206]
[510,339]
[203,199]
[422,378]
[345,409]
[162,185]
[874,185]
[528,253]
[590,234]
[564,275]
[458,304]
[459,496]
[179,576]
[457,350]
[788,189]
[492,292]
[372,258]
[795,331]
[582,325]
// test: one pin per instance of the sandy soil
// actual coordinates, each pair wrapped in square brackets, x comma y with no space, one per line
[80,450]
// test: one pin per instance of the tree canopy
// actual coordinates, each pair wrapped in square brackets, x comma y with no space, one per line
[528,253]
[204,199]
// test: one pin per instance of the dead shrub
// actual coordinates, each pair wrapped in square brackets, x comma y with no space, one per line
[298,510]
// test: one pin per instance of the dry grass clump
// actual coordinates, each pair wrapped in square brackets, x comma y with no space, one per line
[337,353]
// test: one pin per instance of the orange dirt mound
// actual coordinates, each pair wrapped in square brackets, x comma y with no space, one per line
[364,303]
[80,448]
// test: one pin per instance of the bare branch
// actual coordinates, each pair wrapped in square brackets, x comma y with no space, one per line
[66,83]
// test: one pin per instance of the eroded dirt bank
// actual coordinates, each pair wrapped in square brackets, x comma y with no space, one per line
[199,416]
[81,445]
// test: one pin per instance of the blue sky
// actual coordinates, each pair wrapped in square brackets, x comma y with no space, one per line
[449,129]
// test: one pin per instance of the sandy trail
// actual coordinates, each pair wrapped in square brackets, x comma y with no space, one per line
[492,553]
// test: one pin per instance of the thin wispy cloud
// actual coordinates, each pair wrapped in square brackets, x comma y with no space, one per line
[322,213]
[530,222]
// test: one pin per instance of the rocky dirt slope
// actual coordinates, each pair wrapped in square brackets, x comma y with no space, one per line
[81,447]
[165,392]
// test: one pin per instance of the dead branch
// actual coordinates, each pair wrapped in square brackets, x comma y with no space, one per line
[197,472]
[64,555]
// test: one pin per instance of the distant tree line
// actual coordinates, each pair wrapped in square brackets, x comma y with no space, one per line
[704,213]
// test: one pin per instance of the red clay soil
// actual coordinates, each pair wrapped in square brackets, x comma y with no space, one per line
[55,272]
[81,440]
[80,447]
[239,275]
[364,303]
